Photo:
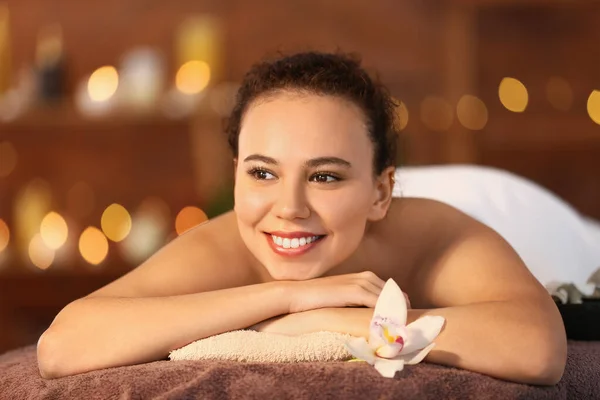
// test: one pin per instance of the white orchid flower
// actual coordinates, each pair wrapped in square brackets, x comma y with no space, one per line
[391,343]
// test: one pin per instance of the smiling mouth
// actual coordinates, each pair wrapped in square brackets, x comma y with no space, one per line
[287,246]
[294,243]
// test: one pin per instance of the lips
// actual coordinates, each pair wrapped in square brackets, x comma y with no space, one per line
[293,235]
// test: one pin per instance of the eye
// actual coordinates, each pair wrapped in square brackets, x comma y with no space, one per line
[324,178]
[261,174]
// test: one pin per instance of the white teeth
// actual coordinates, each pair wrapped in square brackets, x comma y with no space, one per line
[294,243]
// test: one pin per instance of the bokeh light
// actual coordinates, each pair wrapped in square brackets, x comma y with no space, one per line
[188,218]
[4,235]
[513,94]
[192,77]
[401,115]
[93,245]
[472,112]
[103,83]
[151,224]
[559,93]
[8,158]
[436,113]
[54,230]
[593,106]
[40,255]
[116,222]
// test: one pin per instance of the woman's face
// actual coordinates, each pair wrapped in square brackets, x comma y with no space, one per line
[304,187]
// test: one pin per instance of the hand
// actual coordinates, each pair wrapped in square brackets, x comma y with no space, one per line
[351,290]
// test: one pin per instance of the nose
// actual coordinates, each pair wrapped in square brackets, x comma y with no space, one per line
[291,202]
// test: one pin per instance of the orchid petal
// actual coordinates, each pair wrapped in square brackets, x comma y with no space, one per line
[388,368]
[417,356]
[422,332]
[391,303]
[376,338]
[360,349]
[389,350]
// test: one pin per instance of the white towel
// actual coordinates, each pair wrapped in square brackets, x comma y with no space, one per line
[253,346]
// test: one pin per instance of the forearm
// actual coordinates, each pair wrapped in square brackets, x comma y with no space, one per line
[515,341]
[95,333]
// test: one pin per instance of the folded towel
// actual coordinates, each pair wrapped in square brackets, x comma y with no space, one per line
[253,346]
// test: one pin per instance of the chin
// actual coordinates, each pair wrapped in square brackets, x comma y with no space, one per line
[293,272]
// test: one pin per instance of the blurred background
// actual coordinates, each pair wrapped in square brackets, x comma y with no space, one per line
[111,115]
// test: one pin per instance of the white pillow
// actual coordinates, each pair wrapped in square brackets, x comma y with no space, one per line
[554,241]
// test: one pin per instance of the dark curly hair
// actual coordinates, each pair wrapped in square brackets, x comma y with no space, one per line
[324,74]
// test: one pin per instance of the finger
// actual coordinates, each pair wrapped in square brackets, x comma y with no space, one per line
[371,277]
[359,296]
[368,299]
[371,287]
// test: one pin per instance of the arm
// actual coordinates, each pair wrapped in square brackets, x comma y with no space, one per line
[501,343]
[499,320]
[101,332]
[196,286]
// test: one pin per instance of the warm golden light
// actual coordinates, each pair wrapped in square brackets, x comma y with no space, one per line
[54,230]
[103,83]
[40,255]
[402,115]
[513,94]
[559,93]
[157,207]
[472,112]
[116,222]
[93,245]
[188,218]
[4,235]
[436,113]
[593,106]
[8,159]
[192,77]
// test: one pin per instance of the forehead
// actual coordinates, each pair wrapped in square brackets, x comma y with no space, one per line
[293,126]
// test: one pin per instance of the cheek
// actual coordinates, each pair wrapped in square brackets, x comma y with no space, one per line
[347,212]
[250,205]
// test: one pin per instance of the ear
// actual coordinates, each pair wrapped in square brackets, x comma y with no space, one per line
[235,164]
[384,186]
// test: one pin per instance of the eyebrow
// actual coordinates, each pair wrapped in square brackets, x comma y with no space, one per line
[312,163]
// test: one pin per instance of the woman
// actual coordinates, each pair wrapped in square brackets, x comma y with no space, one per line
[313,236]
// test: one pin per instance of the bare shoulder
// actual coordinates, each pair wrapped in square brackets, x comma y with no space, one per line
[208,257]
[413,231]
[413,225]
[453,258]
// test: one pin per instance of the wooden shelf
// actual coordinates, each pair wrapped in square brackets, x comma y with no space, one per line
[64,115]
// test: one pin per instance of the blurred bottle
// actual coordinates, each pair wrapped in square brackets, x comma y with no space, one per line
[5,60]
[141,79]
[198,64]
[199,39]
[50,64]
